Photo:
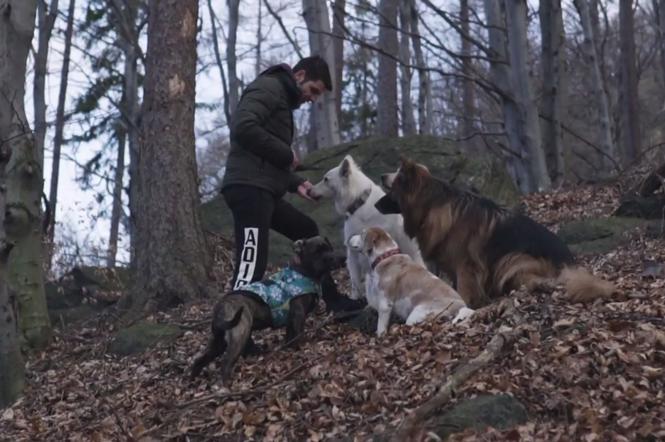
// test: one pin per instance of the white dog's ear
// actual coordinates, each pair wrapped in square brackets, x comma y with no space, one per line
[345,168]
[355,242]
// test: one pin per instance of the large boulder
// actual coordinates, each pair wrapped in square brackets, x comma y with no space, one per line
[377,156]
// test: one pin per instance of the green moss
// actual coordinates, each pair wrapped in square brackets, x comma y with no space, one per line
[141,336]
[377,156]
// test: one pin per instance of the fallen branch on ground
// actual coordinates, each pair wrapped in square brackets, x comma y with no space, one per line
[505,337]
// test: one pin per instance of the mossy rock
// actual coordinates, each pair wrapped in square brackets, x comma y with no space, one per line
[599,235]
[141,336]
[377,156]
[498,411]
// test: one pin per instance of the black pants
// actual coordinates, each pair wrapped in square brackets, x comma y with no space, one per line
[255,212]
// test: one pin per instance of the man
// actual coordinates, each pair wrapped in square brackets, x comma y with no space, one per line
[260,168]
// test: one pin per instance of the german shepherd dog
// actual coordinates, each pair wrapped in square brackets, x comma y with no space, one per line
[486,250]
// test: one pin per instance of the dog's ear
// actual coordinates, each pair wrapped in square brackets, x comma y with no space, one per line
[345,168]
[299,246]
[355,242]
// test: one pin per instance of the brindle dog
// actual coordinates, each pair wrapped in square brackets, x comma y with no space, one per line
[240,312]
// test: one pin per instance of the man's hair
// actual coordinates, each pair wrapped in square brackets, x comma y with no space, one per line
[315,69]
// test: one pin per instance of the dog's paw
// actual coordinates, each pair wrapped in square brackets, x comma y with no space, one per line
[462,315]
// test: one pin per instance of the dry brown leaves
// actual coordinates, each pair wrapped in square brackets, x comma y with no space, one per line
[584,372]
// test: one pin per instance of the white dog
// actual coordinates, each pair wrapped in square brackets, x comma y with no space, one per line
[354,195]
[399,284]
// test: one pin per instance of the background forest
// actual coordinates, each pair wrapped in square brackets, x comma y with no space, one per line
[101,167]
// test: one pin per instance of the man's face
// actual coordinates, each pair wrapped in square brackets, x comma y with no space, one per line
[311,89]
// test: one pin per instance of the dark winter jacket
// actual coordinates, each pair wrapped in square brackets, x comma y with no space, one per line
[262,133]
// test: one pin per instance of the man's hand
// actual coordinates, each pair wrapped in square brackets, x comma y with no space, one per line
[296,161]
[303,188]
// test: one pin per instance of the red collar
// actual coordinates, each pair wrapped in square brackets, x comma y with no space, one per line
[388,254]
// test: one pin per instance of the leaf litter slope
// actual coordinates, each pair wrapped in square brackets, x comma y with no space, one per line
[584,372]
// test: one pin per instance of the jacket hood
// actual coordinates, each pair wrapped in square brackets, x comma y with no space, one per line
[285,75]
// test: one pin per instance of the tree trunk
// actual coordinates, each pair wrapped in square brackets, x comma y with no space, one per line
[127,14]
[526,161]
[12,370]
[526,132]
[425,104]
[629,99]
[659,10]
[234,84]
[590,46]
[326,125]
[116,210]
[171,259]
[408,121]
[59,130]
[468,91]
[339,14]
[24,179]
[552,45]
[46,22]
[17,22]
[387,124]
[218,59]
[259,40]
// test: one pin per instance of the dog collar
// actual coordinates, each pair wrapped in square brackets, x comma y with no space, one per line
[388,254]
[358,202]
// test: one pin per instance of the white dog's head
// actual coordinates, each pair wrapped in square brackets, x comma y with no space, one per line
[336,182]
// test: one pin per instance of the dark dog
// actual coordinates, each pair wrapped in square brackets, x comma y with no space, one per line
[486,250]
[284,299]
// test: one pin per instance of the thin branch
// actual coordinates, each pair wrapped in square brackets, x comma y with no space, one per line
[281,25]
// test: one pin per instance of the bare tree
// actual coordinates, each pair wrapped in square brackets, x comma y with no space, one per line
[59,129]
[234,84]
[171,259]
[629,98]
[218,59]
[424,85]
[659,13]
[339,14]
[468,89]
[259,41]
[46,21]
[408,121]
[23,217]
[387,124]
[552,46]
[17,22]
[590,46]
[321,42]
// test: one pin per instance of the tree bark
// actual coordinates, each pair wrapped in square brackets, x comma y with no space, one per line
[590,45]
[629,99]
[552,46]
[234,84]
[171,259]
[408,120]
[468,92]
[46,22]
[24,178]
[339,15]
[116,210]
[259,41]
[659,10]
[387,124]
[425,104]
[59,130]
[326,125]
[17,22]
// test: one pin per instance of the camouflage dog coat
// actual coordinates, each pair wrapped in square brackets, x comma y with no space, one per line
[279,289]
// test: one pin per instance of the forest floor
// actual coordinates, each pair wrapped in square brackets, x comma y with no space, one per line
[583,372]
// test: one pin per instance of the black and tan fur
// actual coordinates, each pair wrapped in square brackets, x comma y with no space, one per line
[485,249]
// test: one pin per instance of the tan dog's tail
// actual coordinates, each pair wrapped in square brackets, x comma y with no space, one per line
[582,286]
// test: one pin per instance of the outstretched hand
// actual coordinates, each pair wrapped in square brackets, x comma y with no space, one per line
[302,190]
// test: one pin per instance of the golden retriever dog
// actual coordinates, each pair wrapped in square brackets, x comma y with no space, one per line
[399,284]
